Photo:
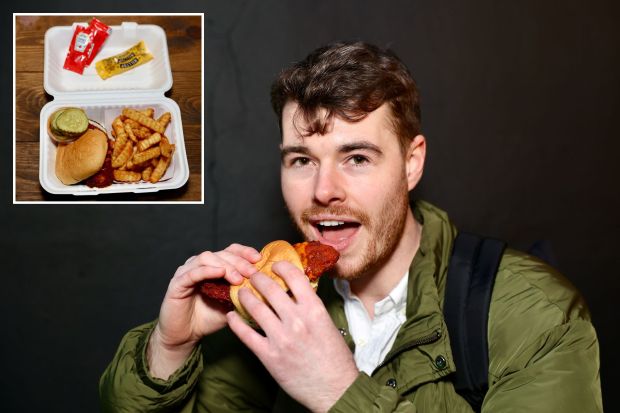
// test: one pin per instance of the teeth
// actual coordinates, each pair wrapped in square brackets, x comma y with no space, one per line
[331,223]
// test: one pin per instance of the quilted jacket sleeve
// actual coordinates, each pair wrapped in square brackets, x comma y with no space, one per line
[220,376]
[126,385]
[543,349]
[557,372]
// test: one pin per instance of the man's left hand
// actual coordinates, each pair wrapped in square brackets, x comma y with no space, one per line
[302,349]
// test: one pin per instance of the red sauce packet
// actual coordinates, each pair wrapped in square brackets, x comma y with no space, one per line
[85,45]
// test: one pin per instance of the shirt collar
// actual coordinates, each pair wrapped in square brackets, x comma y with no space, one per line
[396,300]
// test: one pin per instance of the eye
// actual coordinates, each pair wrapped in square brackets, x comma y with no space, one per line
[299,161]
[359,160]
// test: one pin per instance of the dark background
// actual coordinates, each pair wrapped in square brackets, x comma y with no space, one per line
[520,105]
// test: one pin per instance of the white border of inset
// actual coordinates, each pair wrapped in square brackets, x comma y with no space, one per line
[93,200]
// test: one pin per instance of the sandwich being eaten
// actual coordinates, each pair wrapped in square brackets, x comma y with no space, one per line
[313,258]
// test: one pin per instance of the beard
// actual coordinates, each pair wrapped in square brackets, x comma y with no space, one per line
[385,230]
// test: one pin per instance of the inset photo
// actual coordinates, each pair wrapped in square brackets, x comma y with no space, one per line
[108,108]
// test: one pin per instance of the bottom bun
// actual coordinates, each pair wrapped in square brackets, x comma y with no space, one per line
[273,252]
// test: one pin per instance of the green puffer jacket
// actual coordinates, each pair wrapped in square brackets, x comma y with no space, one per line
[543,351]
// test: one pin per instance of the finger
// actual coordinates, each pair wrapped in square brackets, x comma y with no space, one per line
[243,266]
[260,312]
[189,264]
[212,259]
[248,336]
[277,298]
[248,253]
[296,280]
[193,262]
[184,284]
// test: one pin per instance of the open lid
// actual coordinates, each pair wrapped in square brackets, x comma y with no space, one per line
[154,77]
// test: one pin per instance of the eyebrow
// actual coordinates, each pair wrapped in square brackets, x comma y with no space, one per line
[346,148]
[360,145]
[300,149]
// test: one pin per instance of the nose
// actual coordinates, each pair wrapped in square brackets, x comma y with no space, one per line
[328,188]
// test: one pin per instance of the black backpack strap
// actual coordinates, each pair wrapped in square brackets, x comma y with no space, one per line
[471,275]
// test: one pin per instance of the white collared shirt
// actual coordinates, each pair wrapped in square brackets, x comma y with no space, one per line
[374,338]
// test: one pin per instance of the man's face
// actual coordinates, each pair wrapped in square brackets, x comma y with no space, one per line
[347,188]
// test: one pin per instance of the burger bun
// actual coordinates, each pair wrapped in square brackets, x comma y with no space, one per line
[82,158]
[273,252]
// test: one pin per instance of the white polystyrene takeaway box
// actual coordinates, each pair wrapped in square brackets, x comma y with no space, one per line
[103,100]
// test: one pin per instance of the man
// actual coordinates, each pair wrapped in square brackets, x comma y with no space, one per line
[374,338]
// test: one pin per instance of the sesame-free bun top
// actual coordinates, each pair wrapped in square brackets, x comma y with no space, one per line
[82,158]
[273,252]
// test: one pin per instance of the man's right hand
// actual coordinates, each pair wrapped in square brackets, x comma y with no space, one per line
[185,316]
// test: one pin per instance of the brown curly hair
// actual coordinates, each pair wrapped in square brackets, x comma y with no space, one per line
[349,80]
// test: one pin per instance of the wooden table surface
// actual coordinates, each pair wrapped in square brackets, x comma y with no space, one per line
[184,36]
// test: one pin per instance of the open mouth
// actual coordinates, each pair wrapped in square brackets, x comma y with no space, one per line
[335,232]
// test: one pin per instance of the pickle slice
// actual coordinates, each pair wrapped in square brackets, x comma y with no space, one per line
[71,122]
[53,119]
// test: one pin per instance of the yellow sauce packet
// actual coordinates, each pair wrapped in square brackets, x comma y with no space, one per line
[131,58]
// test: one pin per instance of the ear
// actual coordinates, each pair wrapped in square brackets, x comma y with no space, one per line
[414,161]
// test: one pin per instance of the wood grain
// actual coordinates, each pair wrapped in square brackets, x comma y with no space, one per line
[184,47]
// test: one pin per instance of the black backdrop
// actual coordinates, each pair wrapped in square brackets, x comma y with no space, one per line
[520,104]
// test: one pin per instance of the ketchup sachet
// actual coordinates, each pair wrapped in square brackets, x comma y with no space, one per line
[85,45]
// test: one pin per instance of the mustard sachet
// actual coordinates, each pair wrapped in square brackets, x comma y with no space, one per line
[129,59]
